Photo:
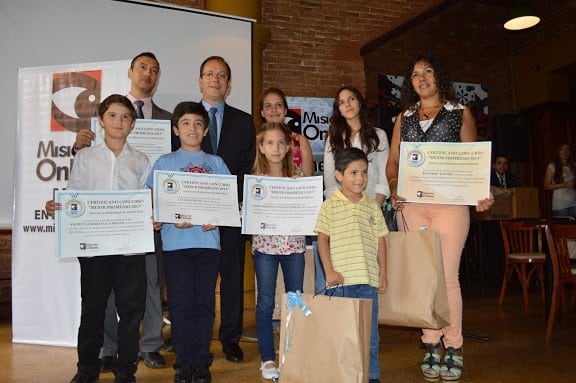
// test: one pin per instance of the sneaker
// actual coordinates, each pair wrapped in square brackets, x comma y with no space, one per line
[453,365]
[431,363]
[269,370]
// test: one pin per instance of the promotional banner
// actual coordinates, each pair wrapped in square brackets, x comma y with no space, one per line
[54,102]
[310,116]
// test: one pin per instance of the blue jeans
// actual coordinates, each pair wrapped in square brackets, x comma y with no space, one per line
[266,268]
[367,292]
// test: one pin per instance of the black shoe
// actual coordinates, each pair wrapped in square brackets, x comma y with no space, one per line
[168,346]
[125,378]
[233,352]
[81,377]
[374,381]
[108,363]
[153,359]
[183,375]
[202,375]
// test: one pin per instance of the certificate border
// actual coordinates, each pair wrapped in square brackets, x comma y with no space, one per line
[409,145]
[61,193]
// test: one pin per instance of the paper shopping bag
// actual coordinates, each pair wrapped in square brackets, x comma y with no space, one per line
[416,294]
[331,344]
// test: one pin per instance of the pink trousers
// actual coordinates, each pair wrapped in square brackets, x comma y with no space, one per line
[452,223]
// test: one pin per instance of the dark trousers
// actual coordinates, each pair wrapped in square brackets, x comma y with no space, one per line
[151,338]
[126,276]
[191,282]
[231,285]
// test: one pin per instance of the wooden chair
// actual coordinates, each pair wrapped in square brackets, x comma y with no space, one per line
[563,272]
[523,256]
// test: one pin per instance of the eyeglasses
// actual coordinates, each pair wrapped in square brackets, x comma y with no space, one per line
[212,75]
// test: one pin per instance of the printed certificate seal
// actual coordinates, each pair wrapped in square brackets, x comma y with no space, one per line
[74,208]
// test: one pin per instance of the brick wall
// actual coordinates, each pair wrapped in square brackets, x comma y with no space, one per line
[315,45]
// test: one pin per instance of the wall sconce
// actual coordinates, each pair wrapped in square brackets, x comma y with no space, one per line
[522,16]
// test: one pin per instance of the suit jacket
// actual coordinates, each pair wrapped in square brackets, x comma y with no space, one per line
[236,145]
[161,114]
[511,180]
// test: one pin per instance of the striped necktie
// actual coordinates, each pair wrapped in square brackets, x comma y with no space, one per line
[138,104]
[213,129]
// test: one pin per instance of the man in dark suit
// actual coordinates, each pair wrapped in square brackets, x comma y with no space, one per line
[500,176]
[235,143]
[143,74]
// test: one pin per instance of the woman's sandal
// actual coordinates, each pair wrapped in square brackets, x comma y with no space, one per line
[431,363]
[453,365]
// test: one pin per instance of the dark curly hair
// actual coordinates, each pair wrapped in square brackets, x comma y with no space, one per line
[339,131]
[409,97]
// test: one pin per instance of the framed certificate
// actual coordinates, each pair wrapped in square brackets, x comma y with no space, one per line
[197,198]
[104,222]
[281,205]
[456,173]
[151,137]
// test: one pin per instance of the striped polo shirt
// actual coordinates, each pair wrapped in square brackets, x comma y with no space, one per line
[354,230]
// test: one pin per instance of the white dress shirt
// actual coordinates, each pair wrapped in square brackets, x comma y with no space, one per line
[97,168]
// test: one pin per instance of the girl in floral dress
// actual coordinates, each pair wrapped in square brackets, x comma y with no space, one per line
[274,159]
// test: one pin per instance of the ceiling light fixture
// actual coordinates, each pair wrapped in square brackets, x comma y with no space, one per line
[522,16]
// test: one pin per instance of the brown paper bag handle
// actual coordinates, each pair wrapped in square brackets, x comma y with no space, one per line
[330,291]
[404,223]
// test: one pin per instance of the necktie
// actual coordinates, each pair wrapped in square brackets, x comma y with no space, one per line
[213,129]
[502,181]
[138,104]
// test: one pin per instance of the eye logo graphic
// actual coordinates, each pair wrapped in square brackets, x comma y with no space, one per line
[75,97]
[294,120]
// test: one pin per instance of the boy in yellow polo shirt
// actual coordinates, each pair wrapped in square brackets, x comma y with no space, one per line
[351,245]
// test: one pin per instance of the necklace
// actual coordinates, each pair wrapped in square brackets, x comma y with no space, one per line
[429,112]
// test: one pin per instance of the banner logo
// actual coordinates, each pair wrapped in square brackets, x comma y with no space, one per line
[294,120]
[75,98]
